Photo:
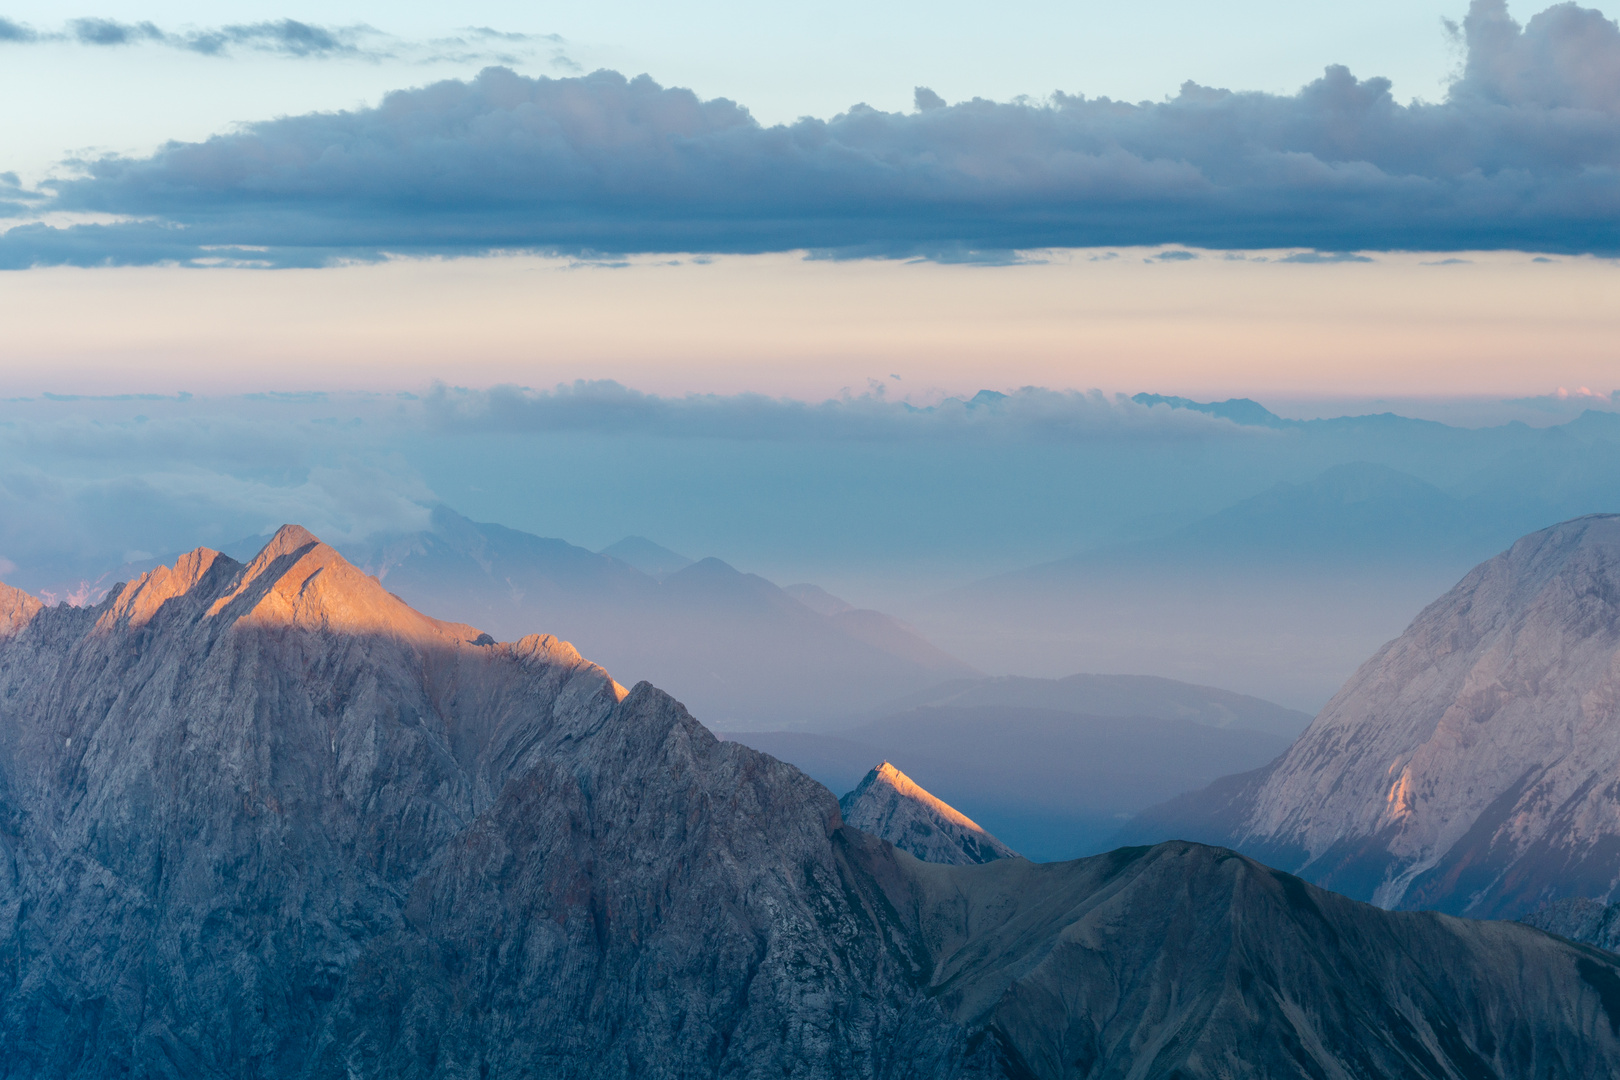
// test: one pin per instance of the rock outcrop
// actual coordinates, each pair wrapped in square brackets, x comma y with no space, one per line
[1471,765]
[268,821]
[1580,919]
[890,805]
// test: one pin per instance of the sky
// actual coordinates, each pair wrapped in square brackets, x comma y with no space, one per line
[733,277]
[710,197]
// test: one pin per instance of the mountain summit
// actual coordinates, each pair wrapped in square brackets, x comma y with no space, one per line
[1468,766]
[890,805]
[266,820]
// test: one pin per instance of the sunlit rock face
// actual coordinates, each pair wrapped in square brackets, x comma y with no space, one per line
[266,820]
[1473,764]
[888,804]
[269,818]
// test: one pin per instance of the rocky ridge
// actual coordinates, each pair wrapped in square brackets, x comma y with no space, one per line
[1470,765]
[1580,919]
[888,804]
[265,820]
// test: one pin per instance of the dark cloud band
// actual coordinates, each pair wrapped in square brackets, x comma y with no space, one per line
[1523,154]
[284,37]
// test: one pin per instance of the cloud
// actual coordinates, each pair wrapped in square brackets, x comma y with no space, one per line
[109,32]
[16,32]
[1030,414]
[1523,154]
[292,38]
[1327,257]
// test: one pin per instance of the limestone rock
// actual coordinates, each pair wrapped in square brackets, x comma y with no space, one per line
[1471,765]
[888,804]
[267,821]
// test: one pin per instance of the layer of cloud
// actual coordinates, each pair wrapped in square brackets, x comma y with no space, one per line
[1029,414]
[87,481]
[1524,153]
[292,38]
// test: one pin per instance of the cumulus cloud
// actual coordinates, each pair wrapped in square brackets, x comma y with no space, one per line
[1524,153]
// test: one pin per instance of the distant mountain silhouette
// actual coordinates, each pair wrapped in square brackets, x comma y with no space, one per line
[735,648]
[1287,590]
[1052,784]
[1113,695]
[651,559]
[818,599]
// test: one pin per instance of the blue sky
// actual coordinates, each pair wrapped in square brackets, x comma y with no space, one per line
[782,61]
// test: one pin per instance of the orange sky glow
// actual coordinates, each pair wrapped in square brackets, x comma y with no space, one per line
[1497,324]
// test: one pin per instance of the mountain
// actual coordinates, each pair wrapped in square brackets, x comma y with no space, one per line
[732,646]
[267,820]
[1469,765]
[1052,784]
[1579,919]
[818,599]
[889,805]
[1281,594]
[651,559]
[1113,695]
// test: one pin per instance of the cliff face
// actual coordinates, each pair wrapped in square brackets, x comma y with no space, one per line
[1470,765]
[268,821]
[888,804]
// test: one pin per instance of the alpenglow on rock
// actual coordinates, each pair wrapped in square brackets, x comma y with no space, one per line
[266,820]
[890,805]
[1469,766]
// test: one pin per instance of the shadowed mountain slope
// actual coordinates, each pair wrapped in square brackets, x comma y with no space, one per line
[888,804]
[1469,766]
[267,820]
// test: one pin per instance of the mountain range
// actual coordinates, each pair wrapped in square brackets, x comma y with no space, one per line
[1053,766]
[266,819]
[733,646]
[1282,593]
[1469,766]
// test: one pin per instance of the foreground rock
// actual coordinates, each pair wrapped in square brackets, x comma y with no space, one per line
[888,804]
[1469,766]
[268,821]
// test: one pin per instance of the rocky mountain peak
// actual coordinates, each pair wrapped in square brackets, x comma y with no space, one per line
[17,610]
[890,805]
[1469,765]
[294,581]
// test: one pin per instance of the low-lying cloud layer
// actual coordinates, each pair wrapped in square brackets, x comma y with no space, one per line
[1032,414]
[1522,154]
